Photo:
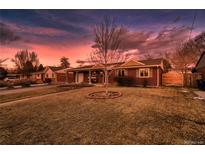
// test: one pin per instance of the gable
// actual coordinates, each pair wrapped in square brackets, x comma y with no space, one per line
[48,71]
[132,63]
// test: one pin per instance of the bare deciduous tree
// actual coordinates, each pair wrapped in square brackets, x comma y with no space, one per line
[107,46]
[23,58]
[2,61]
[188,53]
[199,43]
[183,57]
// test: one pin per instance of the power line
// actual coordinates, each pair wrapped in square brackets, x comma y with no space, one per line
[193,22]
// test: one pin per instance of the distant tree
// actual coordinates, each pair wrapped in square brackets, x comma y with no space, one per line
[40,67]
[64,62]
[188,53]
[24,59]
[28,67]
[182,57]
[108,37]
[3,73]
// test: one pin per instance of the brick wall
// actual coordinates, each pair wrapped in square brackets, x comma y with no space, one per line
[132,72]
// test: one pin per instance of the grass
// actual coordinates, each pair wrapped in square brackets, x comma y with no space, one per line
[31,93]
[140,116]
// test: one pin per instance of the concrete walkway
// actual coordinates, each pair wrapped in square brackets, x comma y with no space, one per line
[200,93]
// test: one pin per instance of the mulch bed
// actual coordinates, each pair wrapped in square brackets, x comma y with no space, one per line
[103,95]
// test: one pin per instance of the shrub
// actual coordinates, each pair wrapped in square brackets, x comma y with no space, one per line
[38,82]
[125,81]
[26,83]
[10,86]
[3,83]
[33,82]
[145,83]
[48,80]
[193,70]
[23,83]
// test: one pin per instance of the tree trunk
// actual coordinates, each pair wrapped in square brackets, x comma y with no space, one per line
[106,81]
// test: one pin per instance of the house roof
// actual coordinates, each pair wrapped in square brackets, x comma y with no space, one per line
[98,66]
[54,68]
[130,63]
[152,61]
[39,72]
[201,61]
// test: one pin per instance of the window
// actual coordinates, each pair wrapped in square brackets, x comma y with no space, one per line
[47,75]
[144,73]
[121,72]
[53,75]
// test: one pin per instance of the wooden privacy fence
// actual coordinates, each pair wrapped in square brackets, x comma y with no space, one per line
[172,78]
[190,79]
[177,78]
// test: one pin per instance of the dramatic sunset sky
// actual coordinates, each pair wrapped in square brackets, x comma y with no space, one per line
[56,33]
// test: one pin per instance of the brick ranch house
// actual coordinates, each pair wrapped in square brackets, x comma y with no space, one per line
[150,70]
[200,66]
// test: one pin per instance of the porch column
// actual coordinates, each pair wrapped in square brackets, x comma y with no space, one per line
[76,77]
[66,75]
[89,78]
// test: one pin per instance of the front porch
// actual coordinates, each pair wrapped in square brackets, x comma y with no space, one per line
[89,76]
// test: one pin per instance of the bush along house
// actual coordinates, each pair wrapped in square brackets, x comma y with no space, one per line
[132,73]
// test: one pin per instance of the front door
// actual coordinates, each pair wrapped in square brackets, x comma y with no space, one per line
[80,77]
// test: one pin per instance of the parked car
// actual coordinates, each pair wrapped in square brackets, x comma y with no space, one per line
[11,79]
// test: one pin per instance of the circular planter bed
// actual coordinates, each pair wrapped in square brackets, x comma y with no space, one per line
[102,95]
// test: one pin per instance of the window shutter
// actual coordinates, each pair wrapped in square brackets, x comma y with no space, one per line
[150,72]
[137,73]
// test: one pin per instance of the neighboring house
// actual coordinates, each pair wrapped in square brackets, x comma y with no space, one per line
[145,70]
[200,66]
[50,72]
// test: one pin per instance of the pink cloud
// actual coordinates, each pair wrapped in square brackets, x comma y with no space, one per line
[155,44]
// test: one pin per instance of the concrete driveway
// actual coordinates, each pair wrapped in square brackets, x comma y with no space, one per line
[200,93]
[12,91]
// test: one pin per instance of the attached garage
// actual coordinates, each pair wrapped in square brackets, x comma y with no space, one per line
[61,77]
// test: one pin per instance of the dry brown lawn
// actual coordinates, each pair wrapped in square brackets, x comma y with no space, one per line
[140,116]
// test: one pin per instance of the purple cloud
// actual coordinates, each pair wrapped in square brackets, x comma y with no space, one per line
[7,35]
